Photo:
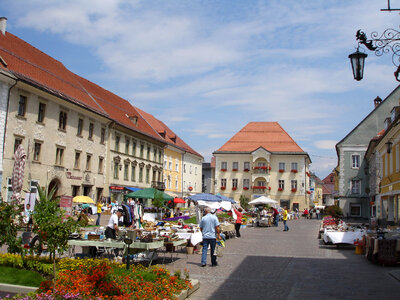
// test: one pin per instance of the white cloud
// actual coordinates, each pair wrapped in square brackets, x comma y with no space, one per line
[326,144]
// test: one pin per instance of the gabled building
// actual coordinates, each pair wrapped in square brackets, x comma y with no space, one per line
[353,181]
[329,193]
[79,138]
[262,159]
[182,165]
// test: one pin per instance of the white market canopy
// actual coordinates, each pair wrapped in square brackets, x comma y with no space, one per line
[264,200]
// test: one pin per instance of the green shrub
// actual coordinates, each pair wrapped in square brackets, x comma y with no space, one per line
[334,211]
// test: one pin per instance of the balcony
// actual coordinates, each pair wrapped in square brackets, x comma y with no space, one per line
[159,185]
[259,189]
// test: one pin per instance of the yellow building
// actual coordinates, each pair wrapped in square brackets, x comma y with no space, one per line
[173,170]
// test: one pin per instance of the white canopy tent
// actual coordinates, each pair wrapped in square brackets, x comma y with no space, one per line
[264,200]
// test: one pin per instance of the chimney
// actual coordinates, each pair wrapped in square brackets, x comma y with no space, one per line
[377,101]
[3,25]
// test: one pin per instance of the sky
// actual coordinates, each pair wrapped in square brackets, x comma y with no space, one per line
[207,68]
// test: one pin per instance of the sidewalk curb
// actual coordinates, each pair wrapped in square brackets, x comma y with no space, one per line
[186,293]
[16,289]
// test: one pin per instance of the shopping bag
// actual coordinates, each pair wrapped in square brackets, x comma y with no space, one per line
[218,251]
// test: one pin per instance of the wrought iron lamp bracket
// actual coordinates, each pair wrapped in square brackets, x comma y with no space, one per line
[388,41]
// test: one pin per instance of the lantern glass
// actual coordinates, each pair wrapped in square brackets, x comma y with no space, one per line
[357,60]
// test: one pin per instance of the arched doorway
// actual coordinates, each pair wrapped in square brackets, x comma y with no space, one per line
[55,183]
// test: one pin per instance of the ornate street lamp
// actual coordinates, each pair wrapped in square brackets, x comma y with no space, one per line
[389,41]
[389,145]
[357,60]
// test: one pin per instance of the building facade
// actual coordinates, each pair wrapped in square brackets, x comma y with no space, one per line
[263,160]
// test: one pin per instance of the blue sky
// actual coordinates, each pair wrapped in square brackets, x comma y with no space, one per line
[207,68]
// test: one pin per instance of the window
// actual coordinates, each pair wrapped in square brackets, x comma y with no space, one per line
[281,185]
[176,182]
[102,135]
[170,165]
[91,129]
[169,182]
[41,112]
[17,142]
[246,183]
[294,166]
[190,169]
[176,166]
[59,156]
[134,148]
[9,189]
[261,183]
[80,127]
[22,106]
[184,168]
[127,144]
[195,170]
[355,161]
[36,151]
[141,151]
[117,140]
[246,166]
[234,183]
[282,166]
[126,171]
[88,162]
[147,175]
[355,186]
[391,162]
[397,158]
[77,160]
[355,210]
[294,184]
[101,165]
[154,154]
[133,173]
[159,156]
[224,165]
[141,174]
[235,166]
[116,169]
[148,152]
[62,120]
[223,182]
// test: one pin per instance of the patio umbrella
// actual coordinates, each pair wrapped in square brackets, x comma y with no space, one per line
[179,200]
[149,193]
[83,199]
[18,173]
[205,197]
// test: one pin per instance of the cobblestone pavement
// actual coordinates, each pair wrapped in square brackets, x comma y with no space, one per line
[267,263]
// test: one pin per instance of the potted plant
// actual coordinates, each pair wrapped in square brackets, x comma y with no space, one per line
[223,187]
[281,170]
[294,190]
[245,188]
[234,188]
[223,170]
[280,189]
[293,171]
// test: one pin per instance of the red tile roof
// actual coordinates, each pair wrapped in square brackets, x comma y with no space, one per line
[268,135]
[29,64]
[166,133]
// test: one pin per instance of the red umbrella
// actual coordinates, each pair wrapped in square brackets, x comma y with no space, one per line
[179,200]
[18,173]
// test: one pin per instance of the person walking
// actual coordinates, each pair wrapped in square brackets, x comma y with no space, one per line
[276,216]
[238,221]
[318,212]
[99,206]
[209,226]
[285,217]
[305,213]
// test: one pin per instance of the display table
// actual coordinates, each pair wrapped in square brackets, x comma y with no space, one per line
[343,237]
[227,227]
[194,238]
[382,251]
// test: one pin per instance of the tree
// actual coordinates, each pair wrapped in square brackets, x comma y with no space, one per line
[244,202]
[51,225]
[11,219]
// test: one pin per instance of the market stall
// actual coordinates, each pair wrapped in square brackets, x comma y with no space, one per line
[264,218]
[336,231]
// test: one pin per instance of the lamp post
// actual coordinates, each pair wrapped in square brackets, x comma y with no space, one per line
[357,60]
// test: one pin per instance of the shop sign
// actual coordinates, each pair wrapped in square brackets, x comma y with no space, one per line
[66,201]
[118,188]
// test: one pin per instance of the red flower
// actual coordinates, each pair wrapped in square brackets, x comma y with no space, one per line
[246,188]
[234,169]
[269,188]
[259,187]
[234,188]
[269,168]
[223,170]
[223,187]
[294,190]
[293,171]
[280,189]
[308,192]
[246,170]
[281,170]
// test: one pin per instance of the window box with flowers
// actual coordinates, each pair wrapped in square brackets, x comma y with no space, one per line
[223,170]
[269,168]
[280,189]
[223,187]
[293,171]
[246,170]
[259,187]
[269,188]
[264,168]
[294,190]
[308,192]
[234,188]
[234,170]
[245,188]
[281,170]
[256,168]
[308,174]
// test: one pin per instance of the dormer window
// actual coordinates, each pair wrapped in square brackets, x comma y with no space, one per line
[394,113]
[173,139]
[387,123]
[133,118]
[162,133]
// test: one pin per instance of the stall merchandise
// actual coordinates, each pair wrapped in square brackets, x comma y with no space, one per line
[382,246]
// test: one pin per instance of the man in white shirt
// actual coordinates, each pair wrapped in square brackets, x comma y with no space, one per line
[112,226]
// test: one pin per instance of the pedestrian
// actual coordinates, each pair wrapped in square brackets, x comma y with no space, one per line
[285,217]
[275,213]
[209,227]
[238,222]
[112,226]
[99,206]
[28,216]
[317,212]
[310,214]
[305,213]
